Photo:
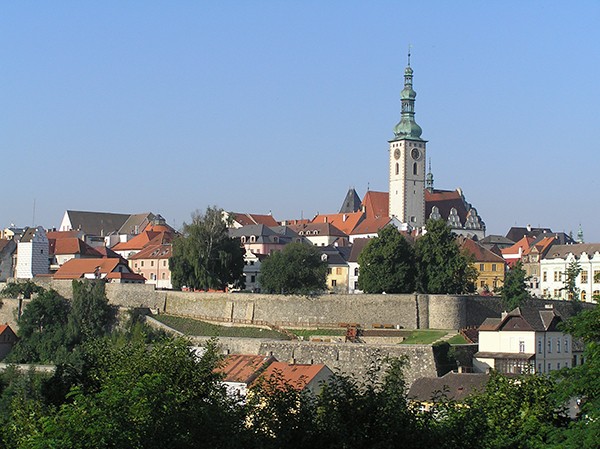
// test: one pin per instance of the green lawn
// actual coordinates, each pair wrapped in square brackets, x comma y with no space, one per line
[189,326]
[423,337]
[457,340]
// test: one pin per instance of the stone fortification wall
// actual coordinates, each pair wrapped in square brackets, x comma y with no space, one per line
[447,312]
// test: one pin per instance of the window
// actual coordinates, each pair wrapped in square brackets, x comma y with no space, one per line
[164,276]
[540,346]
[549,345]
[151,263]
[584,276]
[253,278]
[539,367]
[329,270]
[545,276]
[481,267]
[583,295]
[566,345]
[482,284]
[397,168]
[493,267]
[333,282]
[356,285]
[356,271]
[557,293]
[141,263]
[164,263]
[521,346]
[549,367]
[558,365]
[415,171]
[556,276]
[558,345]
[338,271]
[596,276]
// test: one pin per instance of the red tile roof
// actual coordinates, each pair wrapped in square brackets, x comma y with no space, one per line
[154,252]
[371,225]
[142,240]
[297,376]
[376,204]
[77,268]
[250,219]
[344,222]
[244,368]
[63,234]
[479,253]
[522,244]
[71,245]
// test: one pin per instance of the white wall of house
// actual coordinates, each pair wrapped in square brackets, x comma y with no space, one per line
[552,276]
[353,273]
[32,256]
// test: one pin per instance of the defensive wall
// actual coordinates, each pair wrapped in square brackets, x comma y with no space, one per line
[409,311]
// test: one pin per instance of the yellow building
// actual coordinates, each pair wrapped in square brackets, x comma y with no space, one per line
[489,265]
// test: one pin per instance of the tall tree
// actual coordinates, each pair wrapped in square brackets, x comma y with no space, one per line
[514,291]
[91,316]
[42,330]
[387,264]
[441,265]
[205,256]
[571,273]
[297,269]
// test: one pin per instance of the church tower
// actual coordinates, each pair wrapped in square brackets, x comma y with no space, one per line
[407,161]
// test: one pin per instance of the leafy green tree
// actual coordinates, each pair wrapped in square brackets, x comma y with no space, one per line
[583,382]
[441,266]
[205,256]
[27,289]
[91,316]
[142,396]
[43,330]
[571,273]
[297,269]
[387,264]
[514,291]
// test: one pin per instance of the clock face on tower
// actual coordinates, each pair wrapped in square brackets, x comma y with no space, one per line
[416,154]
[397,153]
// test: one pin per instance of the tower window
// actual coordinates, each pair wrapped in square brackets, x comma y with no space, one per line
[397,168]
[415,168]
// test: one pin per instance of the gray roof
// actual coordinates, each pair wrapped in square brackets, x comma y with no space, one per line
[516,233]
[136,223]
[562,251]
[336,255]
[351,203]
[456,386]
[96,223]
[524,319]
[357,247]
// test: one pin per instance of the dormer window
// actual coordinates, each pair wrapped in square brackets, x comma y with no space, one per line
[323,257]
[252,239]
[243,239]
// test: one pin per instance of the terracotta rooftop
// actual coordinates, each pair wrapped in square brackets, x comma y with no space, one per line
[244,368]
[77,268]
[163,251]
[344,222]
[71,245]
[376,204]
[479,253]
[371,225]
[295,375]
[250,219]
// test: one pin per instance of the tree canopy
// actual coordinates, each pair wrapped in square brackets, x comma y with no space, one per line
[297,269]
[205,257]
[27,289]
[442,266]
[387,264]
[514,291]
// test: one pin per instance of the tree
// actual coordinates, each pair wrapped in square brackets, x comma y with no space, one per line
[441,266]
[387,264]
[297,269]
[205,256]
[583,382]
[571,273]
[27,288]
[91,316]
[514,291]
[42,330]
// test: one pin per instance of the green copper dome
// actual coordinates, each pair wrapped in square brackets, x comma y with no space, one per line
[407,128]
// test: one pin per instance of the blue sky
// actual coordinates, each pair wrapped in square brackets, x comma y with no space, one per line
[282,106]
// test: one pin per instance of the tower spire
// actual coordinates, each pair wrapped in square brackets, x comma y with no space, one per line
[407,128]
[429,178]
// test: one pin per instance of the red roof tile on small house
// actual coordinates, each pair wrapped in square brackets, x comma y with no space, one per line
[244,368]
[344,222]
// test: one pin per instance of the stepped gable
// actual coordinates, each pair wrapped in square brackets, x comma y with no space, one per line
[444,201]
[351,202]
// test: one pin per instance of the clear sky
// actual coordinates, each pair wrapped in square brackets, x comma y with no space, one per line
[282,106]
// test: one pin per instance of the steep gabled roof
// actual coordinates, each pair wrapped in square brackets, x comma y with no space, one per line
[357,246]
[376,204]
[136,223]
[445,201]
[351,202]
[518,248]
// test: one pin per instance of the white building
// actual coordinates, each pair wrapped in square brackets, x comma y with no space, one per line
[553,270]
[524,340]
[32,254]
